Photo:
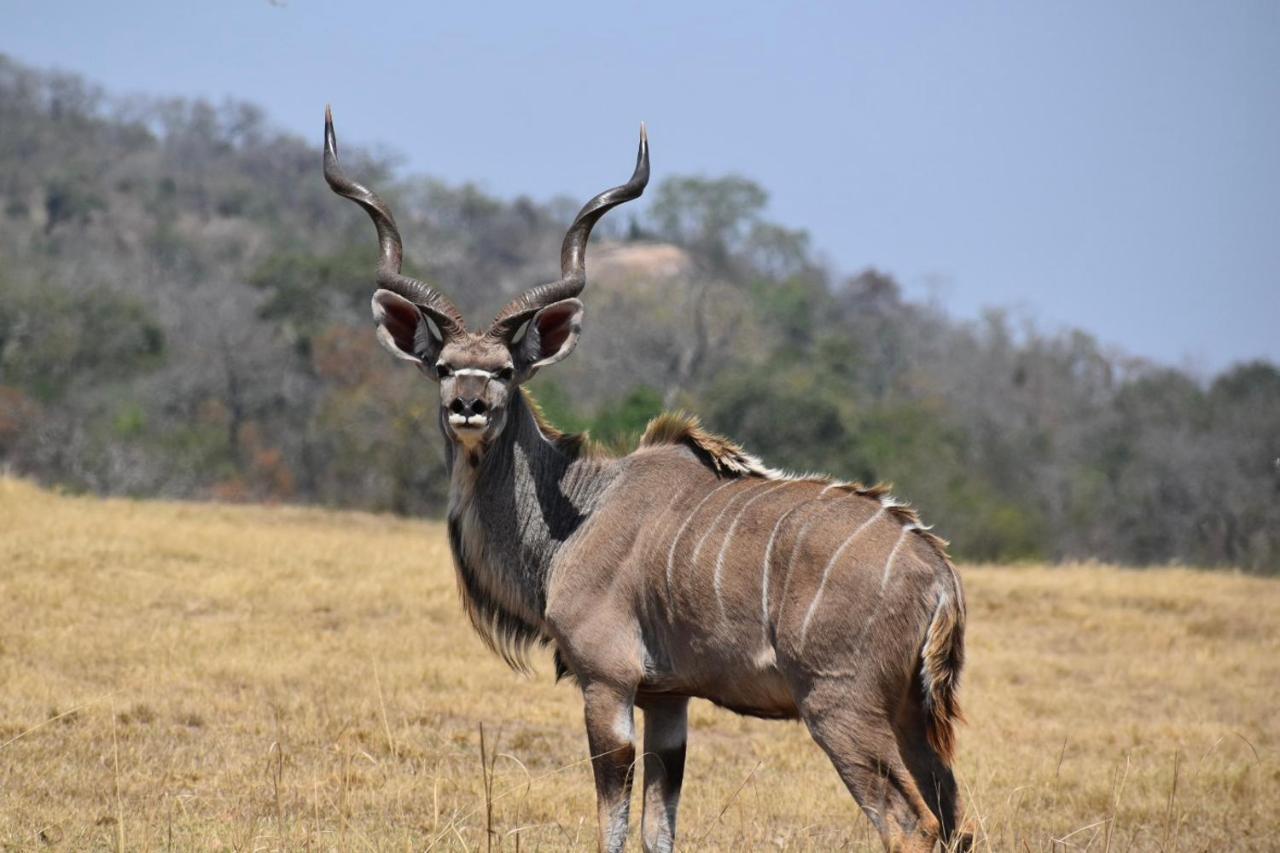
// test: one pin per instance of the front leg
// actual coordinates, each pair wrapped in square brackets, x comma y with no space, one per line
[666,724]
[610,734]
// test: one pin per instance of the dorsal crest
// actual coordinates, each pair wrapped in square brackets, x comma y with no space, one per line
[726,458]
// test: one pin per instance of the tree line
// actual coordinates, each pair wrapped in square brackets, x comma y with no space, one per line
[184,313]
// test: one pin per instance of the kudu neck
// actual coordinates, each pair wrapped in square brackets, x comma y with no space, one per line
[528,447]
[513,506]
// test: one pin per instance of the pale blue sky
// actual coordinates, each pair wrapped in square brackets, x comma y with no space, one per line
[1113,166]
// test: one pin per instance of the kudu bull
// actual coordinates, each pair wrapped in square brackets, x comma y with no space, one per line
[685,569]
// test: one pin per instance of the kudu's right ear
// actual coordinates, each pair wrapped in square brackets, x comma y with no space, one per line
[407,331]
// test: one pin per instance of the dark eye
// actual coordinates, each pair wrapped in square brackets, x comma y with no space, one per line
[506,374]
[442,370]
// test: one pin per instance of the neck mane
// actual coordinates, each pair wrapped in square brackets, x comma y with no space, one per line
[511,507]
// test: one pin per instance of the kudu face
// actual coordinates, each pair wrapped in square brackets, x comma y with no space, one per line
[478,372]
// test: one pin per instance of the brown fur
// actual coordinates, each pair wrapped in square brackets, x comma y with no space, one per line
[727,458]
[573,444]
[724,457]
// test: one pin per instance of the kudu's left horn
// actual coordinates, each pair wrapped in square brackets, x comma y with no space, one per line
[442,310]
[573,252]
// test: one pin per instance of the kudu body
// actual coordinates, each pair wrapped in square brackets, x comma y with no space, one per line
[685,569]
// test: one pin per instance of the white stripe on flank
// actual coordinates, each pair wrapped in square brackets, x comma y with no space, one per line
[764,574]
[670,523]
[671,555]
[826,573]
[702,540]
[888,565]
[728,537]
[795,549]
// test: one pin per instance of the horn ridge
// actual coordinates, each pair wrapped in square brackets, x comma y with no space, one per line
[390,246]
[573,251]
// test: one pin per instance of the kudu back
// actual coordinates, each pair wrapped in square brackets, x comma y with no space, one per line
[685,569]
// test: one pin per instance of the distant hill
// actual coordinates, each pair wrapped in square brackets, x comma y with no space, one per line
[184,312]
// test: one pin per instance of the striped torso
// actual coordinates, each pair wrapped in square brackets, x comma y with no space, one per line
[746,572]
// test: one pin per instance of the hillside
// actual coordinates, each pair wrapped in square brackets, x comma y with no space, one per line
[205,676]
[184,313]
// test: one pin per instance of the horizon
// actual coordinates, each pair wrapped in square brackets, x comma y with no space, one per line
[1129,196]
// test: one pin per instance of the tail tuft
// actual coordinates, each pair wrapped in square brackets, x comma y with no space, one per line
[941,660]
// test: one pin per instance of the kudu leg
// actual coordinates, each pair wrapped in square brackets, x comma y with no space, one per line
[933,776]
[861,744]
[610,735]
[666,723]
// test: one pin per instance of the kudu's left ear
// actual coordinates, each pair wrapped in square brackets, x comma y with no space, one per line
[551,335]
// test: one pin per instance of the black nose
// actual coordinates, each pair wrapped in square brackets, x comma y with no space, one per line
[468,406]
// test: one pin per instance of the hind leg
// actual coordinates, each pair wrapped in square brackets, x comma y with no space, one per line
[855,731]
[932,774]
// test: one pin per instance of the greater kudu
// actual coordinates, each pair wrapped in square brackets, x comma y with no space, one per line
[685,569]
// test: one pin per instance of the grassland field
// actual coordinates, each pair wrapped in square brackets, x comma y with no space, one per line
[202,676]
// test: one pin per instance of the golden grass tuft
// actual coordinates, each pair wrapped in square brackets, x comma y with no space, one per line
[192,676]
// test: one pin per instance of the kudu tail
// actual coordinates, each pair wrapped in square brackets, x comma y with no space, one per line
[941,660]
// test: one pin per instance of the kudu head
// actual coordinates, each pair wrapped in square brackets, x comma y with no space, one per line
[478,372]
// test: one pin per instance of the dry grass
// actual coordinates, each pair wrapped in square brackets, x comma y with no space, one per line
[203,676]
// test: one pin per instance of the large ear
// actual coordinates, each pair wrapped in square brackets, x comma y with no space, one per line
[406,331]
[551,335]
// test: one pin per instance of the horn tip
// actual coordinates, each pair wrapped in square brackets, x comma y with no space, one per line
[330,138]
[640,177]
